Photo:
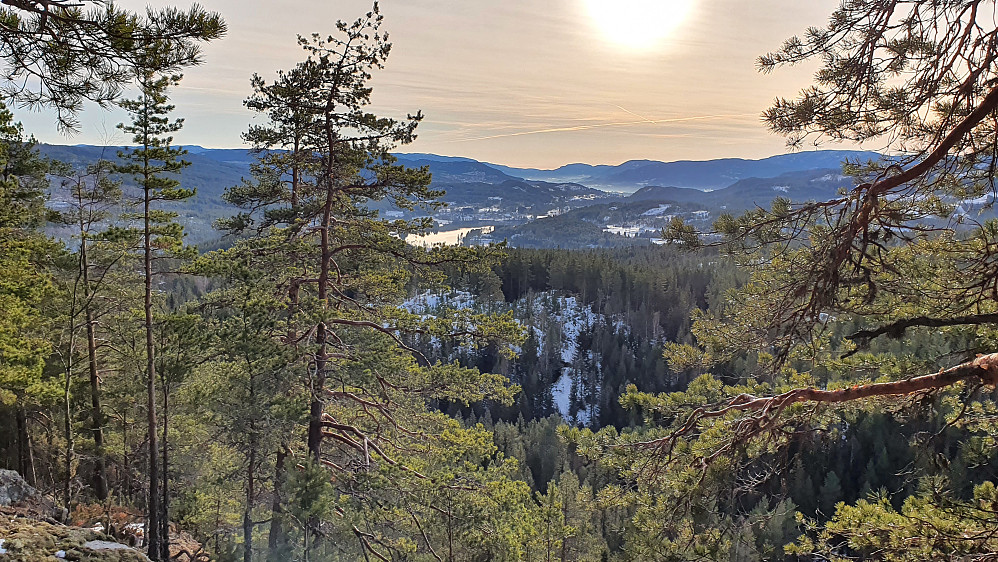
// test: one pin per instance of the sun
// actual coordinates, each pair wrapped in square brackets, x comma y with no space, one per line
[638,24]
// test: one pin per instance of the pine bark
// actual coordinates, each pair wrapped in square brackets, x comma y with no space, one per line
[25,460]
[96,413]
[321,333]
[278,535]
[67,489]
[250,496]
[164,521]
[153,520]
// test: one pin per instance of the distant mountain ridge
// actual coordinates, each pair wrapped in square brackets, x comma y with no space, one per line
[705,174]
[799,186]
[457,170]
[480,193]
[641,216]
[630,176]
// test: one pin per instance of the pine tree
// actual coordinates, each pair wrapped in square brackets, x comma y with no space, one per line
[153,165]
[61,53]
[25,285]
[338,272]
[247,389]
[92,196]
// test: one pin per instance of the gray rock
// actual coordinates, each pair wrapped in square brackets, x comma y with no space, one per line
[105,545]
[13,489]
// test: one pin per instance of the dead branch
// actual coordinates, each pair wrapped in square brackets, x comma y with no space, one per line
[896,329]
[767,409]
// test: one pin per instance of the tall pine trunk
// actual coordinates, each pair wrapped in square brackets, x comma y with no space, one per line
[250,473]
[153,517]
[25,459]
[250,492]
[278,537]
[321,333]
[96,414]
[67,489]
[164,521]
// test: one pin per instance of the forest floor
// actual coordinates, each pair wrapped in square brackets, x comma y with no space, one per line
[32,529]
[25,537]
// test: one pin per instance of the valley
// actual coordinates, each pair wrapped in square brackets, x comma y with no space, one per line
[600,339]
[575,206]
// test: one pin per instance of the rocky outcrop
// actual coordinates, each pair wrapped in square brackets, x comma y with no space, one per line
[31,529]
[15,492]
[13,489]
[23,539]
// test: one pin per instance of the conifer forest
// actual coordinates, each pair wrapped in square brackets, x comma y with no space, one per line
[804,380]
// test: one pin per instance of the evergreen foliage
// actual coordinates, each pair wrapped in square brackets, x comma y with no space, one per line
[61,53]
[282,398]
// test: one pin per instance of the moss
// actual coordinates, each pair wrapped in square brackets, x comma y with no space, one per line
[31,540]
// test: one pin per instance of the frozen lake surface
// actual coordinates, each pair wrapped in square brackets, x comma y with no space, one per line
[449,237]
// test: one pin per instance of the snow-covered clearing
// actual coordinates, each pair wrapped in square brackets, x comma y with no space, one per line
[556,321]
[661,209]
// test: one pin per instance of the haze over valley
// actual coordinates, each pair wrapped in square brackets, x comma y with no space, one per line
[573,206]
[573,280]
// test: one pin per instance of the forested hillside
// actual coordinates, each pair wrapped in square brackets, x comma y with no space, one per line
[797,366]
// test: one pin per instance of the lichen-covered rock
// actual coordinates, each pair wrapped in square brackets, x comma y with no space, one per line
[28,540]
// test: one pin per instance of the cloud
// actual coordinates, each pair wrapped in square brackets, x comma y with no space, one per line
[643,121]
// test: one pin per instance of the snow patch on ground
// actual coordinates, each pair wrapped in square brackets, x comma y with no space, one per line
[830,177]
[781,188]
[544,315]
[566,311]
[430,303]
[661,209]
[561,393]
[574,318]
[105,545]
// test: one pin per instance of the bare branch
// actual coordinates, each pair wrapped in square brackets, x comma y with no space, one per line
[767,409]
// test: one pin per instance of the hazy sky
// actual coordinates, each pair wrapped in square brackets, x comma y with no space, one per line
[521,82]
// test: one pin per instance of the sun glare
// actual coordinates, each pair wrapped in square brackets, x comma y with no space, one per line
[638,24]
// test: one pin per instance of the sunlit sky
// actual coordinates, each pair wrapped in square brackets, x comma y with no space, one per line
[518,82]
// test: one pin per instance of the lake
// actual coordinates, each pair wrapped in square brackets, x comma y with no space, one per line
[449,237]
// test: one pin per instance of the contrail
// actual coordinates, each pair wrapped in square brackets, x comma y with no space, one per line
[635,114]
[600,125]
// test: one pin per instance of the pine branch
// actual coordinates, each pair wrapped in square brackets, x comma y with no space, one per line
[766,410]
[896,329]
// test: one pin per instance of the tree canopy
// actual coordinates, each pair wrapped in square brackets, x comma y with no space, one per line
[324,390]
[62,53]
[896,257]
